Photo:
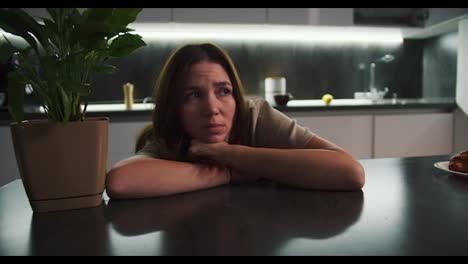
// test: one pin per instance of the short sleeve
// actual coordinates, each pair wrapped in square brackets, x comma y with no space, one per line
[150,149]
[273,129]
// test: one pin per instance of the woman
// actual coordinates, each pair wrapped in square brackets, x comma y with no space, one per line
[205,134]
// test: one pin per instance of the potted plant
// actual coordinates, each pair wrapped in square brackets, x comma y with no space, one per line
[63,158]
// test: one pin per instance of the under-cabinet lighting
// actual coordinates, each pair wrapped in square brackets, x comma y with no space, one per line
[269,33]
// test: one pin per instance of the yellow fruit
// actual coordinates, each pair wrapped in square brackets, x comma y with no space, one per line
[327,98]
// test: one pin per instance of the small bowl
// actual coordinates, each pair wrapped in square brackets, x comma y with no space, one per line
[282,99]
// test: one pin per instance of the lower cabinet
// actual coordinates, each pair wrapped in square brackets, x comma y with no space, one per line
[365,136]
[384,135]
[8,167]
[413,135]
[351,132]
[122,139]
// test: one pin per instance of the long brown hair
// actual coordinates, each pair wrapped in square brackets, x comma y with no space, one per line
[166,129]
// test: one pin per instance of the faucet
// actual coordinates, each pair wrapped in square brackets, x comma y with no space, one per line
[374,92]
[148,99]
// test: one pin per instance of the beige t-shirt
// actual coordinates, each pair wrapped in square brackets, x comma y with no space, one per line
[268,128]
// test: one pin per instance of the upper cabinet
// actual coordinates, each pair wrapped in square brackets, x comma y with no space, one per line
[439,15]
[37,12]
[311,16]
[154,15]
[292,16]
[405,17]
[220,15]
[147,15]
[409,17]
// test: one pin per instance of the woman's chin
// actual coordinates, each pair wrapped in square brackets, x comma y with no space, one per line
[214,139]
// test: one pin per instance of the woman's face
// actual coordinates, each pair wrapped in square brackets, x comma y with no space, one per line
[208,104]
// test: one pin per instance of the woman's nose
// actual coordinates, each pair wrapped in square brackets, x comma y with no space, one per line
[211,105]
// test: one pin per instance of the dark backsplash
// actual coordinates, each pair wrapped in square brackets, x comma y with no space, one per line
[440,66]
[310,70]
[421,68]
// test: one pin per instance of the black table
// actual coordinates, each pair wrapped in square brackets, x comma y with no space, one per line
[407,207]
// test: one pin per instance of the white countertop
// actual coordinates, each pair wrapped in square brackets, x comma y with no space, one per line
[291,105]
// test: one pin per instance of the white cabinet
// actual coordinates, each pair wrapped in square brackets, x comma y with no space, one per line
[351,132]
[154,15]
[460,130]
[147,15]
[220,15]
[311,16]
[8,167]
[295,16]
[413,135]
[37,12]
[384,135]
[122,138]
[336,16]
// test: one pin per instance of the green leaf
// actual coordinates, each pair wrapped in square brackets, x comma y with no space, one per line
[6,51]
[98,14]
[67,105]
[103,68]
[12,22]
[27,26]
[16,96]
[125,44]
[75,47]
[125,16]
[54,13]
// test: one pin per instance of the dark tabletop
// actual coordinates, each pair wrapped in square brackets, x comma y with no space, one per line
[407,207]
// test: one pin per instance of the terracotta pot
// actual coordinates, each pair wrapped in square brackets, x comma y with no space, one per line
[63,165]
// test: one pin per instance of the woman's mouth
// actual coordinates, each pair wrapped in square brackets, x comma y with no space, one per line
[215,128]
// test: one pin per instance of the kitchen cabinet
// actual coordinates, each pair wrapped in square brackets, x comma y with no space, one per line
[311,16]
[294,16]
[147,15]
[352,132]
[122,138]
[297,16]
[336,17]
[461,113]
[440,15]
[384,135]
[220,15]
[8,167]
[410,135]
[37,12]
[154,15]
[460,127]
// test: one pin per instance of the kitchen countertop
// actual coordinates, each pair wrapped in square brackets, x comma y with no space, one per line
[142,111]
[366,104]
[407,207]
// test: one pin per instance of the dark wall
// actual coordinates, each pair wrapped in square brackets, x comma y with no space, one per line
[440,66]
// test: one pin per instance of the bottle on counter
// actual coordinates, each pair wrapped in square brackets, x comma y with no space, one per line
[128,95]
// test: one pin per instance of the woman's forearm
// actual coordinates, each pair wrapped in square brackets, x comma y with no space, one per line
[147,177]
[305,168]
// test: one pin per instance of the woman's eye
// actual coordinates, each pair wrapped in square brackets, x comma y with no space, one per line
[224,91]
[192,94]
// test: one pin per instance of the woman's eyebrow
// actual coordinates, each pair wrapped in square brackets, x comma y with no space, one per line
[222,83]
[192,88]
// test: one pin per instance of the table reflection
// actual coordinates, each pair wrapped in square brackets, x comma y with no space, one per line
[72,232]
[236,220]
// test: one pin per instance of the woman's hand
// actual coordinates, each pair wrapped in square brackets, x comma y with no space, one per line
[218,154]
[208,153]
